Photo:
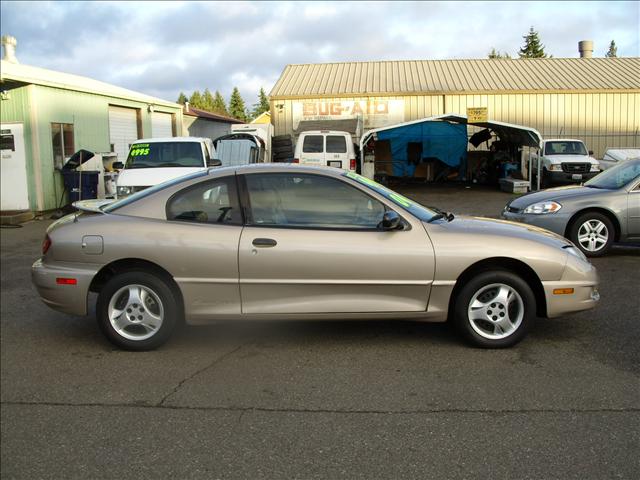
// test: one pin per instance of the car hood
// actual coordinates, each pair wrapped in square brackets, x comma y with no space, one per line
[145,177]
[571,159]
[489,227]
[558,194]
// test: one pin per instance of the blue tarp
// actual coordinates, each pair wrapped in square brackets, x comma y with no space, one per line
[442,140]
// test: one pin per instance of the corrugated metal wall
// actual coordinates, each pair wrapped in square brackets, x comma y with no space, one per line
[602,120]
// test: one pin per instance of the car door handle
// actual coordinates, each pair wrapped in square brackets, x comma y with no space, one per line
[264,242]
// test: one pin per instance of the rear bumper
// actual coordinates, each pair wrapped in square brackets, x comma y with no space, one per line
[70,299]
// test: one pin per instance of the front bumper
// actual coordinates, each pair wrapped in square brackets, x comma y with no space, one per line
[555,222]
[70,299]
[567,178]
[582,277]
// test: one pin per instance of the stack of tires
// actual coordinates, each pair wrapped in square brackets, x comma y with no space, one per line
[282,146]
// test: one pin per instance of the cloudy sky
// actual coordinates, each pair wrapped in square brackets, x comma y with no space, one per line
[166,47]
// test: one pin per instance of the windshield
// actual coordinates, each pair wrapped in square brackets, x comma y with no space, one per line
[616,177]
[565,148]
[148,191]
[423,213]
[165,154]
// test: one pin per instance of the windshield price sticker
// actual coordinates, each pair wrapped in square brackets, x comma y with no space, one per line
[139,150]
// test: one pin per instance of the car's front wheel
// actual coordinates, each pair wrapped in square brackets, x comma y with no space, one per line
[137,310]
[494,309]
[593,233]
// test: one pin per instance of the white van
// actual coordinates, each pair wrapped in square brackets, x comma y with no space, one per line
[156,160]
[327,148]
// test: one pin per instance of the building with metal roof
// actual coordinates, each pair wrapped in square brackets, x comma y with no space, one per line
[593,99]
[200,123]
[48,115]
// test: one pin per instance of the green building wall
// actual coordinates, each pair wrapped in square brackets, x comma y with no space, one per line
[37,107]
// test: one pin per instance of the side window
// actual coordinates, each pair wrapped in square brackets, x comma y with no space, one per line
[312,201]
[336,144]
[313,144]
[207,202]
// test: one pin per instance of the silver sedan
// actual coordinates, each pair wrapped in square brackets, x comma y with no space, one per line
[294,242]
[606,209]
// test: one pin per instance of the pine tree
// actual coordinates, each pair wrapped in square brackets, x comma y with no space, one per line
[195,100]
[219,105]
[236,105]
[532,47]
[496,54]
[182,98]
[207,100]
[262,105]
[613,50]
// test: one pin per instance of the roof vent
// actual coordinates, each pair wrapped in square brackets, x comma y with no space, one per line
[186,106]
[9,43]
[585,47]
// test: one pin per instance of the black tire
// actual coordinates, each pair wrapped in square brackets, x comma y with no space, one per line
[592,218]
[283,156]
[172,314]
[280,138]
[526,306]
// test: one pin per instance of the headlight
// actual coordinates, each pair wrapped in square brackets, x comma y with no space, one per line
[124,191]
[555,167]
[541,208]
[577,252]
[595,168]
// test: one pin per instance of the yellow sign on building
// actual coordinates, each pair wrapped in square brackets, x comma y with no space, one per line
[477,115]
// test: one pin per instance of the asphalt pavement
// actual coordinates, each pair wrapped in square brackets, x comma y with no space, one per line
[320,400]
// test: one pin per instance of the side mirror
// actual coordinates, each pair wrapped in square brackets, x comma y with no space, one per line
[390,221]
[214,162]
[590,152]
[117,165]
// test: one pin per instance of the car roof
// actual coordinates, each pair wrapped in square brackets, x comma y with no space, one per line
[276,168]
[563,140]
[323,132]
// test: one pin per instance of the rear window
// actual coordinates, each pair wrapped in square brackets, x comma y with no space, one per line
[165,154]
[336,144]
[313,144]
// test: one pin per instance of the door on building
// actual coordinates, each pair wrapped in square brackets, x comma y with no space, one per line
[13,163]
[123,130]
[161,125]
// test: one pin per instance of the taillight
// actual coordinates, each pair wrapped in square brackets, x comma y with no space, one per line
[66,281]
[46,244]
[296,160]
[352,164]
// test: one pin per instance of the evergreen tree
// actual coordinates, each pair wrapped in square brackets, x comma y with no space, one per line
[496,54]
[262,105]
[182,98]
[613,50]
[219,105]
[236,105]
[207,100]
[195,100]
[532,47]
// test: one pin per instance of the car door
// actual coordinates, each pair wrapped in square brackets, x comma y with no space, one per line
[336,151]
[311,245]
[312,150]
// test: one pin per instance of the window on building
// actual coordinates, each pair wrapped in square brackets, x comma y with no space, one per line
[63,142]
[7,142]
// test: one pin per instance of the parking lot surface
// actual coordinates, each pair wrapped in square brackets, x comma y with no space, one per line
[322,400]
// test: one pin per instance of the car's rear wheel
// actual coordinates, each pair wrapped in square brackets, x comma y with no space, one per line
[494,309]
[137,310]
[593,233]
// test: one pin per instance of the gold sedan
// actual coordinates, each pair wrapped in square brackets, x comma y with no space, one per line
[294,242]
